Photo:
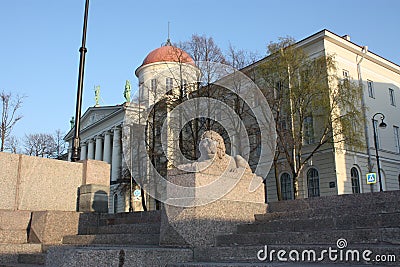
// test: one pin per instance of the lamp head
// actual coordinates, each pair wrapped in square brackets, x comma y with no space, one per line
[382,124]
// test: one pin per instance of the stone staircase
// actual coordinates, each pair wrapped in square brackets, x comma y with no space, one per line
[123,239]
[139,228]
[14,247]
[361,222]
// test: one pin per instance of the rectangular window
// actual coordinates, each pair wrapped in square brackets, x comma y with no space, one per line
[308,130]
[346,75]
[169,83]
[141,91]
[391,96]
[184,88]
[378,139]
[153,86]
[396,138]
[278,89]
[370,85]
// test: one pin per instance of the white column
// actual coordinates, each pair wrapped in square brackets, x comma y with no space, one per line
[107,147]
[90,154]
[116,155]
[69,151]
[83,151]
[99,148]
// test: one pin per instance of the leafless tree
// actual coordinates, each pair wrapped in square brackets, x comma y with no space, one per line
[9,117]
[12,144]
[61,146]
[40,145]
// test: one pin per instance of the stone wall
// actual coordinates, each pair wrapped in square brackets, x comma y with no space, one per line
[38,184]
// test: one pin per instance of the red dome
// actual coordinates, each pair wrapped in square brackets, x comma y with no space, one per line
[168,53]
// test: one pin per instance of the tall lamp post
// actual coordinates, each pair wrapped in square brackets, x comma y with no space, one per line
[383,126]
[76,146]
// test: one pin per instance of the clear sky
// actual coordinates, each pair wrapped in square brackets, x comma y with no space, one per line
[40,39]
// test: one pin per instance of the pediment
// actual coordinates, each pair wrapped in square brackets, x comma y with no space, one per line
[93,115]
[96,114]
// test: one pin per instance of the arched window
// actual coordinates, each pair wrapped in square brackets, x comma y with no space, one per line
[399,181]
[115,203]
[286,186]
[355,180]
[313,183]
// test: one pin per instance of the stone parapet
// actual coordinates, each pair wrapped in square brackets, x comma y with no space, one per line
[36,184]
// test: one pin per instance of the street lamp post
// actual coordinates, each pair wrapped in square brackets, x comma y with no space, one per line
[383,126]
[76,146]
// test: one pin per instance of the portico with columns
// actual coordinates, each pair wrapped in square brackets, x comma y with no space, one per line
[101,139]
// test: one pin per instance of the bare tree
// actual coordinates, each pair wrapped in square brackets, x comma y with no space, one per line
[40,145]
[12,144]
[60,144]
[9,117]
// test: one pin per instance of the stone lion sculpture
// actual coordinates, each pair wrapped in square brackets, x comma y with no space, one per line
[213,151]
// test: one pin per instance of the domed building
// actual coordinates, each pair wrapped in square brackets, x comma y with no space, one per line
[166,72]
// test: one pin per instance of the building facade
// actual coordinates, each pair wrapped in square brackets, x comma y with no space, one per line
[331,171]
[342,171]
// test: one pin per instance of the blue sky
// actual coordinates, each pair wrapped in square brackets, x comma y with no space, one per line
[40,40]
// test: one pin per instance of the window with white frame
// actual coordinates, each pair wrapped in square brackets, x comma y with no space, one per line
[370,85]
[355,180]
[396,138]
[184,88]
[308,130]
[278,89]
[141,90]
[169,83]
[346,75]
[313,183]
[154,86]
[391,97]
[286,186]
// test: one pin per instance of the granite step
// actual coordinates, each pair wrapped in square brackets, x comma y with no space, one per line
[244,264]
[71,256]
[11,236]
[21,265]
[120,239]
[243,254]
[340,222]
[328,212]
[319,236]
[137,228]
[130,218]
[274,264]
[20,248]
[380,199]
[36,258]
[9,253]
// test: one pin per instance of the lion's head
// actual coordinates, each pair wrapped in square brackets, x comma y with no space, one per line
[212,144]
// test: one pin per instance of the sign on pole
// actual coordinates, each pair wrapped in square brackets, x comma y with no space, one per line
[371,178]
[137,194]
